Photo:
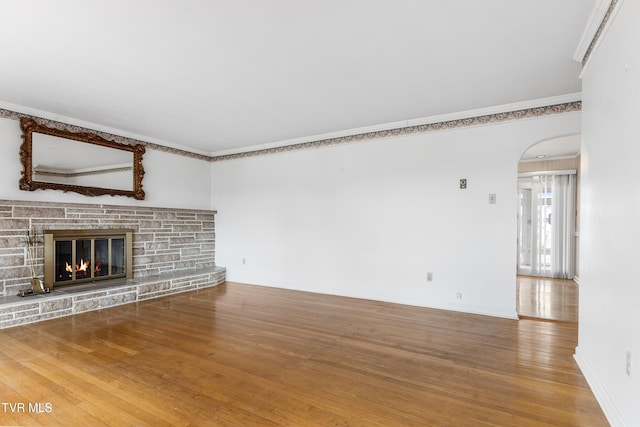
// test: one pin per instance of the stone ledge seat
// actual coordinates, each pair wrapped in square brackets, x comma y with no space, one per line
[66,301]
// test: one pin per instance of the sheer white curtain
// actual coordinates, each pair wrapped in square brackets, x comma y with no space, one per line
[547,225]
[541,191]
[563,208]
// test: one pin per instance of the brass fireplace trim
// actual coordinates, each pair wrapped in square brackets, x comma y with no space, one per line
[50,236]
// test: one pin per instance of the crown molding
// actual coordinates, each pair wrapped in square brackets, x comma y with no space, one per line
[390,126]
[478,117]
[15,111]
[602,15]
[596,18]
[550,159]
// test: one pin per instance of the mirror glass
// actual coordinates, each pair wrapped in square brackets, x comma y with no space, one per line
[65,161]
[58,159]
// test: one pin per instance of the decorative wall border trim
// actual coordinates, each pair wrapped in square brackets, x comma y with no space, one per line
[605,14]
[8,114]
[599,32]
[416,129]
[479,120]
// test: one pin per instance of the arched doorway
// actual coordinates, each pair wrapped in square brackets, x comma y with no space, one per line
[548,244]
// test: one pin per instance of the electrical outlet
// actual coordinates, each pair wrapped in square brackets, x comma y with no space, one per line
[459,295]
[244,261]
[492,199]
[429,276]
[628,363]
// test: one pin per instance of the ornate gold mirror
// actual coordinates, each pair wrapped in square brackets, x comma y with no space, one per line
[81,162]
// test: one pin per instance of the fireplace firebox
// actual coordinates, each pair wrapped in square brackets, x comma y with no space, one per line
[80,256]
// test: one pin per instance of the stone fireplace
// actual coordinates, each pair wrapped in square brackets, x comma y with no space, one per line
[164,240]
[79,256]
[166,251]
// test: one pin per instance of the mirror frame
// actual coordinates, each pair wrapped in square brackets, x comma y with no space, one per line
[29,126]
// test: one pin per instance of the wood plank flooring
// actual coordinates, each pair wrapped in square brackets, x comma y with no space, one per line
[241,355]
[548,299]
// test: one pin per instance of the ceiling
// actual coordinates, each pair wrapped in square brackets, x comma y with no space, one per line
[562,147]
[217,76]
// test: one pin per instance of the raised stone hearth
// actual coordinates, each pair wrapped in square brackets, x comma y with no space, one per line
[172,250]
[66,301]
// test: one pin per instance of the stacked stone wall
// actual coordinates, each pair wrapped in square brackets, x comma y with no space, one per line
[165,240]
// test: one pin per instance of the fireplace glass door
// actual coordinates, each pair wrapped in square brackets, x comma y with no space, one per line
[80,257]
[63,256]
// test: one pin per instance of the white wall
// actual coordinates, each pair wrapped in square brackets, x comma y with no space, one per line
[371,219]
[610,220]
[170,180]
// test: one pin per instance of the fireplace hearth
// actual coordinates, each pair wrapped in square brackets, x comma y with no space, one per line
[81,256]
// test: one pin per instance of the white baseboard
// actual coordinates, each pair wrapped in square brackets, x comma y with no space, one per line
[599,391]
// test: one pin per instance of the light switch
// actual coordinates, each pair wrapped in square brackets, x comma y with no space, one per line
[492,199]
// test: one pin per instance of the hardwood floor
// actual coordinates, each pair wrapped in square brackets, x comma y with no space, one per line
[246,355]
[548,299]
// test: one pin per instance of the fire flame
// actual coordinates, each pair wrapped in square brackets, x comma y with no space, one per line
[81,268]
